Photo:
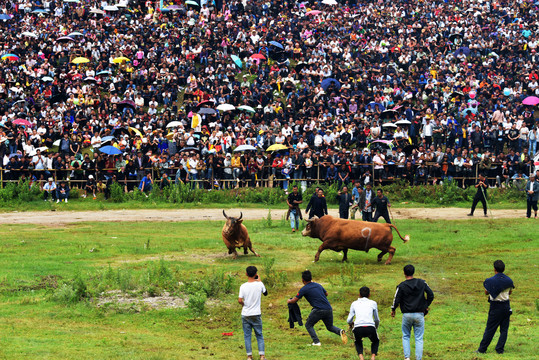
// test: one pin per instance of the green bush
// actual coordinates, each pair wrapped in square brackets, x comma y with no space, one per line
[197,303]
[273,278]
[117,193]
[71,293]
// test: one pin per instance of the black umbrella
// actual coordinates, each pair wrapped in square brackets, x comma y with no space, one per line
[453,37]
[58,98]
[189,148]
[408,149]
[126,103]
[389,114]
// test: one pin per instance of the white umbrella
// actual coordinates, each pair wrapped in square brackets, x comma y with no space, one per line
[111,8]
[403,122]
[71,1]
[329,2]
[246,108]
[47,78]
[97,11]
[29,34]
[42,148]
[389,125]
[245,148]
[226,107]
[75,33]
[173,124]
[123,5]
[57,142]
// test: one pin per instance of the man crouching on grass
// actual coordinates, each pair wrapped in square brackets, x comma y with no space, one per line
[251,314]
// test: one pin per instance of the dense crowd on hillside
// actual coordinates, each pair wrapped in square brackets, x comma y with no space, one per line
[375,90]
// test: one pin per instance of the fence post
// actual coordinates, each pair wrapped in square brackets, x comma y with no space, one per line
[2,178]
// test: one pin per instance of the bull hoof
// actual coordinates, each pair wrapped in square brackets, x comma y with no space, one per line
[257,255]
[388,262]
[379,259]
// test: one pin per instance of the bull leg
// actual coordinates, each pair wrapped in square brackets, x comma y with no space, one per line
[391,253]
[345,255]
[320,249]
[234,253]
[381,255]
[252,250]
[245,252]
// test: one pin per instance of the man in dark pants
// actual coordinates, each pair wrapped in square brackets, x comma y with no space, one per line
[366,322]
[317,206]
[381,203]
[369,197]
[532,192]
[344,199]
[316,295]
[480,195]
[498,288]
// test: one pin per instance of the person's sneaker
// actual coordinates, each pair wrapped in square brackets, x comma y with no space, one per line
[66,200]
[478,352]
[84,196]
[406,358]
[57,201]
[344,337]
[486,215]
[316,344]
[470,214]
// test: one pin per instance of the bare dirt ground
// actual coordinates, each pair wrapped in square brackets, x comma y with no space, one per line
[53,218]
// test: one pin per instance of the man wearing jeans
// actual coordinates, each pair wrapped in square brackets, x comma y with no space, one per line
[410,296]
[316,295]
[251,314]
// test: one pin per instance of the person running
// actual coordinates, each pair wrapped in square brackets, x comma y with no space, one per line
[381,204]
[294,212]
[317,296]
[366,322]
[251,313]
[480,195]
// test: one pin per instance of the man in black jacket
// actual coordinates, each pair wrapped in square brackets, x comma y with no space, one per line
[480,195]
[410,296]
[344,199]
[381,203]
[317,205]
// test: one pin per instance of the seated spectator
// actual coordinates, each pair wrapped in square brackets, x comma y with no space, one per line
[49,189]
[62,192]
[164,182]
[146,183]
[91,186]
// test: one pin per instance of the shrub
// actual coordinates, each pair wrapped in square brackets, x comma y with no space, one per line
[117,193]
[197,303]
[72,292]
[273,278]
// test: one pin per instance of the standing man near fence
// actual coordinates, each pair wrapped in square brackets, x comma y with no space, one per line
[294,212]
[381,204]
[358,197]
[480,195]
[251,313]
[344,199]
[410,297]
[532,196]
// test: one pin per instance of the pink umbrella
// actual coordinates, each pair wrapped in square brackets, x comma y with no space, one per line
[65,38]
[258,56]
[531,100]
[313,12]
[22,122]
[190,114]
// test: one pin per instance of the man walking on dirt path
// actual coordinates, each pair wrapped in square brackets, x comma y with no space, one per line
[480,195]
[381,203]
[317,296]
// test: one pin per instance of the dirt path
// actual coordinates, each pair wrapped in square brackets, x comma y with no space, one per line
[66,217]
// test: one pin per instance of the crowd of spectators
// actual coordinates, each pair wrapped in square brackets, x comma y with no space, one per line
[371,91]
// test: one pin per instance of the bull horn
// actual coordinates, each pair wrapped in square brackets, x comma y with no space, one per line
[241,215]
[225,214]
[315,217]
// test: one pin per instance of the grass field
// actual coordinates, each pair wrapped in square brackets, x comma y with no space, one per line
[40,320]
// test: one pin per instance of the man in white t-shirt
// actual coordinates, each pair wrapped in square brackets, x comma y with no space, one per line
[366,322]
[251,314]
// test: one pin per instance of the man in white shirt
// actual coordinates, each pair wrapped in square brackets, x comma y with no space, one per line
[366,322]
[49,189]
[251,314]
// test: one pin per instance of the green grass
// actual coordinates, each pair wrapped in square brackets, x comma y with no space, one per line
[453,256]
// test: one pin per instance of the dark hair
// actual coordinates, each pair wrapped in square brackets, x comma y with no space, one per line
[499,266]
[409,270]
[307,276]
[380,189]
[251,271]
[364,291]
[294,187]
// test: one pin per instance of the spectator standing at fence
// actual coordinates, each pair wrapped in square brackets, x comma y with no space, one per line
[49,189]
[480,195]
[366,322]
[532,195]
[381,204]
[498,288]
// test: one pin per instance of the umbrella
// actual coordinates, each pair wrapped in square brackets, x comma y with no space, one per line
[135,130]
[465,111]
[47,78]
[173,7]
[455,94]
[110,150]
[236,60]
[258,56]
[389,125]
[276,44]
[97,11]
[121,5]
[313,12]
[75,33]
[29,34]
[22,122]
[11,57]
[388,113]
[329,2]
[207,111]
[76,77]
[531,100]
[90,79]
[403,122]
[330,81]
[120,59]
[127,103]
[277,147]
[71,1]
[37,11]
[245,148]
[193,3]
[5,17]
[246,108]
[104,72]
[65,38]
[105,139]
[408,149]
[111,8]
[464,50]
[371,105]
[174,124]
[226,107]
[57,142]
[453,37]
[80,60]
[206,102]
[189,148]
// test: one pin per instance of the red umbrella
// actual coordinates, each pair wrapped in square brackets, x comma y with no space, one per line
[208,103]
[22,122]
[258,56]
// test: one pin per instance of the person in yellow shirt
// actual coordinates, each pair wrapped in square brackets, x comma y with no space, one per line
[236,167]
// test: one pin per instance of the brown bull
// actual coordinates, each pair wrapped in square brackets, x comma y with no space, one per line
[341,235]
[235,235]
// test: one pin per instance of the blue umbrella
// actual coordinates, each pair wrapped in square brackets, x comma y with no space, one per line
[103,72]
[237,61]
[207,111]
[106,138]
[276,44]
[371,105]
[5,17]
[463,50]
[37,11]
[110,150]
[471,109]
[327,82]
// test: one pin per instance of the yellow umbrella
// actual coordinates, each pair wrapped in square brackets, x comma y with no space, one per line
[169,136]
[80,60]
[136,131]
[120,59]
[276,147]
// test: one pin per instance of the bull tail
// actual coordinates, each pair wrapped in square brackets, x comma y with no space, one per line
[406,238]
